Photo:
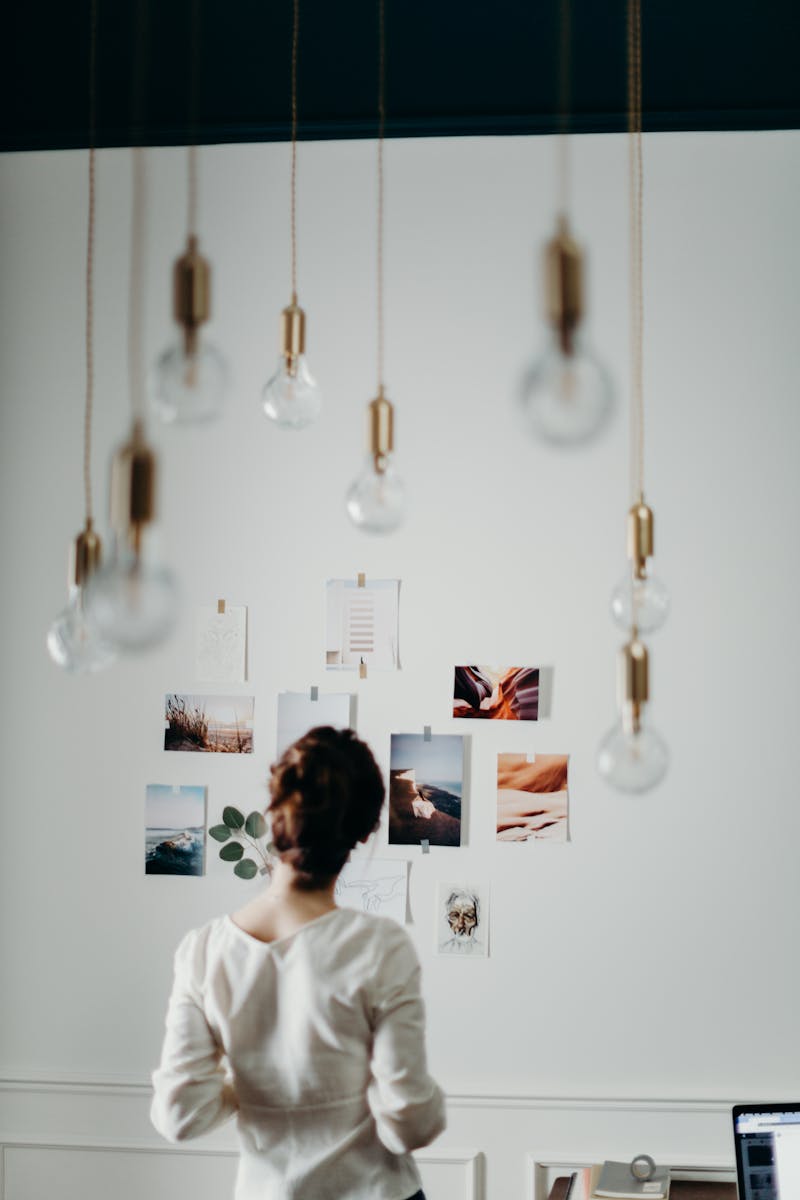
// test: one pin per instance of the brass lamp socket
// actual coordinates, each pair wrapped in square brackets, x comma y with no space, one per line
[293,334]
[133,487]
[85,555]
[380,430]
[634,683]
[563,276]
[640,538]
[191,282]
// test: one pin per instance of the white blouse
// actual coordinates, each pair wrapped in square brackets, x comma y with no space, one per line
[316,1042]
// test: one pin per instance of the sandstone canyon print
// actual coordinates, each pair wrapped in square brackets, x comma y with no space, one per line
[496,693]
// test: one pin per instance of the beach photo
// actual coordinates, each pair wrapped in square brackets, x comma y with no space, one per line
[496,693]
[175,830]
[426,781]
[209,724]
[532,797]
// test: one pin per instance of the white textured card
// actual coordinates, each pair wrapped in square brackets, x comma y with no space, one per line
[221,645]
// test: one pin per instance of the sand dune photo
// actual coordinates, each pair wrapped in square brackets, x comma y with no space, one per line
[532,797]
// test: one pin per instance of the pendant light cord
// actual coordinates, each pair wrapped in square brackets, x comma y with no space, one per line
[138,216]
[136,299]
[381,130]
[636,189]
[563,170]
[191,150]
[89,406]
[295,37]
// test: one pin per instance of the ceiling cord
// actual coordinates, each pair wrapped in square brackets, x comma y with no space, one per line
[381,130]
[89,405]
[636,189]
[295,34]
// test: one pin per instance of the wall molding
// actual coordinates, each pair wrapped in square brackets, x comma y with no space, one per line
[45,1113]
[123,1086]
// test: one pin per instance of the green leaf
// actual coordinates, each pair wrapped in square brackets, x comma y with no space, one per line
[255,825]
[220,833]
[231,852]
[245,869]
[232,817]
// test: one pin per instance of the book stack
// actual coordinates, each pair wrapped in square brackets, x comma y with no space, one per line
[614,1181]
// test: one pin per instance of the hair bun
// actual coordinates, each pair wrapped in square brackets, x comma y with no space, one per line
[326,795]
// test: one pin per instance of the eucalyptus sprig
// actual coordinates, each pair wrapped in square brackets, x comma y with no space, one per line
[239,832]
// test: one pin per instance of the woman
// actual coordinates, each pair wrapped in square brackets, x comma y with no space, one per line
[303,1019]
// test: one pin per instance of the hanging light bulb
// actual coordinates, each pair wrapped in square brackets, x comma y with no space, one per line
[71,640]
[132,600]
[566,393]
[376,501]
[191,376]
[640,599]
[291,398]
[632,757]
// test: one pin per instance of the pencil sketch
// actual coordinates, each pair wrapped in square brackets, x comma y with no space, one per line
[463,922]
[374,886]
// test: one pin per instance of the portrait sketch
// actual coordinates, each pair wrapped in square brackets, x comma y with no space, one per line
[462,927]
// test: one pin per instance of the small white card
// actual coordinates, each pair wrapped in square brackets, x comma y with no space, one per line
[297,713]
[221,644]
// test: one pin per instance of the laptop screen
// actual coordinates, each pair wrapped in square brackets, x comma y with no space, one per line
[767,1140]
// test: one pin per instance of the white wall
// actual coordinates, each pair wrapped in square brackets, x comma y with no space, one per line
[624,964]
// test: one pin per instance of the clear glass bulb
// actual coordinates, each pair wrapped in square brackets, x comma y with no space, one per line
[189,385]
[132,600]
[566,398]
[73,643]
[640,602]
[632,762]
[291,398]
[376,501]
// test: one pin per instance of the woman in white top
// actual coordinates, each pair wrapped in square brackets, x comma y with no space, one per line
[302,1019]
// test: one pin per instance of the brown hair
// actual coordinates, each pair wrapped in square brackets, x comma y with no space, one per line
[326,793]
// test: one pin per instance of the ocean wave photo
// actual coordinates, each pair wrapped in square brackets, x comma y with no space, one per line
[174,851]
[175,829]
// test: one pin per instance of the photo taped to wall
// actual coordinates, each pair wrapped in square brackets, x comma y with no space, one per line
[175,830]
[208,724]
[496,693]
[532,797]
[426,779]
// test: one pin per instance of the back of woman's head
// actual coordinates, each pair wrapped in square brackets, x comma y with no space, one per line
[326,795]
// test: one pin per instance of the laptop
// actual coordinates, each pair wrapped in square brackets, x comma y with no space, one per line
[767,1138]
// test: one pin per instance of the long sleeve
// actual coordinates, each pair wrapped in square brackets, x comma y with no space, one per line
[407,1104]
[191,1093]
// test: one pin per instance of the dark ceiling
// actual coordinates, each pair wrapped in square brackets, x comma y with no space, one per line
[453,67]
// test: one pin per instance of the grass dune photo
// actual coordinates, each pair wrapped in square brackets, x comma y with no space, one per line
[210,724]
